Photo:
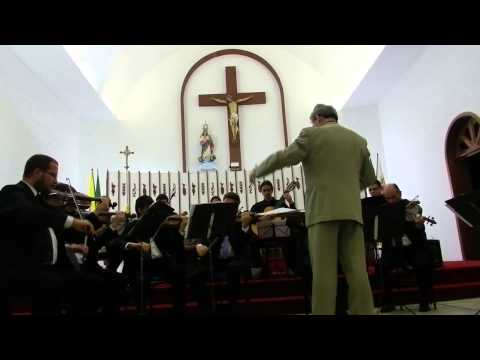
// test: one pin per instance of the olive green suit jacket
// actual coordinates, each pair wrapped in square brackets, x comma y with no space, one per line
[337,166]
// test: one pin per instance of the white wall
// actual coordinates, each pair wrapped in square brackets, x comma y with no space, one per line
[33,120]
[143,87]
[47,106]
[13,156]
[365,121]
[415,115]
[264,119]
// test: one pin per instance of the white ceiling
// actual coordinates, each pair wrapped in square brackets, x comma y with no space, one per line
[78,79]
[387,70]
[95,61]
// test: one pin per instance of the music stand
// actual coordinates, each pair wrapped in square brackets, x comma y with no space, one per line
[209,222]
[146,228]
[467,208]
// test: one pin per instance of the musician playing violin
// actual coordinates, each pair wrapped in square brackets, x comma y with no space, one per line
[85,252]
[233,255]
[404,245]
[33,258]
[164,254]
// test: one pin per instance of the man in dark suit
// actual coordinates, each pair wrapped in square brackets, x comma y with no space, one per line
[110,289]
[231,254]
[168,257]
[33,259]
[370,208]
[404,246]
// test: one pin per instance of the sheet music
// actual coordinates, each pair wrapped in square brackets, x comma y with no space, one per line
[280,211]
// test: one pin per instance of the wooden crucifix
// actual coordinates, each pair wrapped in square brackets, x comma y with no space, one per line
[232,99]
[127,153]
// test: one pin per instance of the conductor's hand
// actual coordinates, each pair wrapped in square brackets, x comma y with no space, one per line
[83,226]
[202,250]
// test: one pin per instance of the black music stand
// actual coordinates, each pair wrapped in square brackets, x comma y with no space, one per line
[146,228]
[467,208]
[208,223]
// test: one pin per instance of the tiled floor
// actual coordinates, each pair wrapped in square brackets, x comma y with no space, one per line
[453,307]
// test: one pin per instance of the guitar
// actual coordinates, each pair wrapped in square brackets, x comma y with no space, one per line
[290,187]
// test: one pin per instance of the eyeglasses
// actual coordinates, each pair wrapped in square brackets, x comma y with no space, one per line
[54,175]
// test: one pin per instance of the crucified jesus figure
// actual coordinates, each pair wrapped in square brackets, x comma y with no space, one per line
[232,106]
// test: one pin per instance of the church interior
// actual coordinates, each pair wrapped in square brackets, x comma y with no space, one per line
[175,132]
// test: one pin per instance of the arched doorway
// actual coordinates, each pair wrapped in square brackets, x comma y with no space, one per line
[463,162]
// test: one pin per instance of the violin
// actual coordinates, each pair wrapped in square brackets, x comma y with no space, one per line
[63,196]
[413,212]
[62,199]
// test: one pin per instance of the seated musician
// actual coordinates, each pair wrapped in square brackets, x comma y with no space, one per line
[215,199]
[121,249]
[232,255]
[110,285]
[33,258]
[164,257]
[268,203]
[163,198]
[370,206]
[404,245]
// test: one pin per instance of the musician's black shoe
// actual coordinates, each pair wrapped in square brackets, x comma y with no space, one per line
[387,308]
[424,307]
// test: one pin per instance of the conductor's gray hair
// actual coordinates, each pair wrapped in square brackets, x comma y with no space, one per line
[325,111]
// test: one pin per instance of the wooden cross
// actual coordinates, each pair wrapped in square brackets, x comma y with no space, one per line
[127,153]
[232,99]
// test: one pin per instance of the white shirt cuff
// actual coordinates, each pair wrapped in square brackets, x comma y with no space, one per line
[68,222]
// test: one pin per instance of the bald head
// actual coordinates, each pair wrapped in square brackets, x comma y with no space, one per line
[392,193]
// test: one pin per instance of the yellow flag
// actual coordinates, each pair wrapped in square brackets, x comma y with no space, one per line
[91,191]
